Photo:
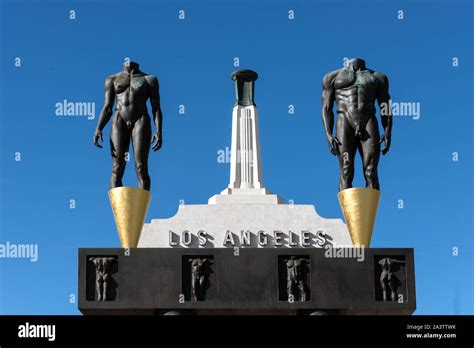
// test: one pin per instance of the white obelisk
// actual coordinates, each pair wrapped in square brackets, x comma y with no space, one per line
[246,182]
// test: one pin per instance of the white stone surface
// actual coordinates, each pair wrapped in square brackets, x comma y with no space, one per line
[216,220]
[246,196]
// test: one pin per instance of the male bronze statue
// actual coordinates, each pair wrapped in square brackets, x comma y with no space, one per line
[199,275]
[295,278]
[102,276]
[355,89]
[131,88]
[388,277]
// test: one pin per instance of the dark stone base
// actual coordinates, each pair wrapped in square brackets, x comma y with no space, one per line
[159,282]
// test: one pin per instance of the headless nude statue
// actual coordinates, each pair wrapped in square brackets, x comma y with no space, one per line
[355,89]
[387,277]
[102,276]
[130,88]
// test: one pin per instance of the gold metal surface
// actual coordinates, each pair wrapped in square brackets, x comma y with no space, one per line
[130,205]
[359,206]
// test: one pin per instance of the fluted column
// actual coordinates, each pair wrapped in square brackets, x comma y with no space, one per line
[245,168]
[246,181]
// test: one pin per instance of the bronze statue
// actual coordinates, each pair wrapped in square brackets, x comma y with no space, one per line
[355,89]
[388,278]
[199,275]
[131,88]
[102,276]
[295,278]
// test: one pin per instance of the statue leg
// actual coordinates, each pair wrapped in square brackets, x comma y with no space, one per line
[194,287]
[201,288]
[99,284]
[119,146]
[302,291]
[370,153]
[346,152]
[105,287]
[393,290]
[98,293]
[289,287]
[141,141]
[384,288]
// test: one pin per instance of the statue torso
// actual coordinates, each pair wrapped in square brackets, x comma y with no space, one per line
[355,94]
[131,93]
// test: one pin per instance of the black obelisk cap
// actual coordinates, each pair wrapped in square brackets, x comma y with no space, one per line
[244,86]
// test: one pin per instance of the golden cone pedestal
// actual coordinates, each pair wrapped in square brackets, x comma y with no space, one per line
[129,205]
[359,206]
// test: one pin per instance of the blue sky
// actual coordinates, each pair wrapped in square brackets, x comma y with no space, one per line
[193,59]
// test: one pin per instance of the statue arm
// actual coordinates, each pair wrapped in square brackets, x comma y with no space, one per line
[156,110]
[383,99]
[106,112]
[327,100]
